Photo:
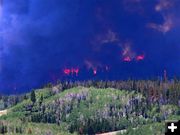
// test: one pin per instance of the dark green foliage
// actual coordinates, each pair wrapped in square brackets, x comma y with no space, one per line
[33,96]
[41,100]
[88,110]
[9,101]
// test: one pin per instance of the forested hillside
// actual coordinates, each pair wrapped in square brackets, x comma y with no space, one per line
[79,108]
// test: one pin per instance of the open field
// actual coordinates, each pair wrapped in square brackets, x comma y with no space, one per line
[3,112]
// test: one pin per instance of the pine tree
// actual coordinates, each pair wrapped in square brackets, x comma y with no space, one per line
[41,100]
[33,96]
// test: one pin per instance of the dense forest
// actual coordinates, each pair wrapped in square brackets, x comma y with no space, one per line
[162,91]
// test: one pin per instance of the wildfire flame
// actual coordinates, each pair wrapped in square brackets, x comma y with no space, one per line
[127,59]
[94,71]
[75,70]
[140,57]
[68,71]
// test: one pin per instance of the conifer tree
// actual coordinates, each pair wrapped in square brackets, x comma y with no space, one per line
[33,96]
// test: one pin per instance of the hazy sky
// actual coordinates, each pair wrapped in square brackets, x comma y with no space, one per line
[43,40]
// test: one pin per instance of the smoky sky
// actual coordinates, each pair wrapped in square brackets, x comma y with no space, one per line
[40,38]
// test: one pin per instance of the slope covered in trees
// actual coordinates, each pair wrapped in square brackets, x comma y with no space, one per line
[81,109]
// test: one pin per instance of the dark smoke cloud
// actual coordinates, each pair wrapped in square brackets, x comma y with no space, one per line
[39,38]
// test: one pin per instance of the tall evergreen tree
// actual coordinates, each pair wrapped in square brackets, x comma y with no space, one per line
[41,100]
[33,96]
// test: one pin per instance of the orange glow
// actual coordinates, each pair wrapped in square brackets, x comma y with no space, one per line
[140,57]
[72,71]
[94,71]
[75,70]
[67,71]
[127,59]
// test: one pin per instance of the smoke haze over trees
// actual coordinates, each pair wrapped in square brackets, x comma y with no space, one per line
[109,40]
